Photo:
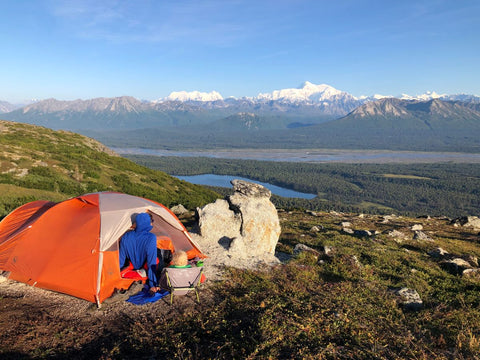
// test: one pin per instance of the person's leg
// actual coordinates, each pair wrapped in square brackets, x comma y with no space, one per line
[161,262]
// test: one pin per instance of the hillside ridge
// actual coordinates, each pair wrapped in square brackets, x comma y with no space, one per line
[40,163]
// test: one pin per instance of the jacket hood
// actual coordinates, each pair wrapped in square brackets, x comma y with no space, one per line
[143,223]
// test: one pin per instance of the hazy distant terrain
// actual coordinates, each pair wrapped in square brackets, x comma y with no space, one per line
[390,124]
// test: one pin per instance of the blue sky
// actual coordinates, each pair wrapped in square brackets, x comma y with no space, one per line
[148,48]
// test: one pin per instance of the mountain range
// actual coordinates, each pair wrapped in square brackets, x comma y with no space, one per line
[320,102]
[308,116]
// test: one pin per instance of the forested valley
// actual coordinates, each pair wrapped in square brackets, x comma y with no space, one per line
[436,189]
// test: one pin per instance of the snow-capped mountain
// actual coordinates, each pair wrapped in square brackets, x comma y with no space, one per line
[429,95]
[374,97]
[192,96]
[307,92]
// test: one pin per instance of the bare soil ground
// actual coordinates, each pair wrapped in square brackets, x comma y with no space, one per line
[37,321]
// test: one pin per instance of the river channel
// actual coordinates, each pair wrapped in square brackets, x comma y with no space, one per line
[316,155]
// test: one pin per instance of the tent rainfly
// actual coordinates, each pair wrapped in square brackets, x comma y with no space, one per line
[72,246]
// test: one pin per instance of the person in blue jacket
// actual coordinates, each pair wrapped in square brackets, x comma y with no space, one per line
[139,246]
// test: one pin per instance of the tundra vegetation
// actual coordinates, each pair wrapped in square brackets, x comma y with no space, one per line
[340,307]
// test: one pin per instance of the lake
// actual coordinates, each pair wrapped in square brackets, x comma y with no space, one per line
[316,155]
[224,181]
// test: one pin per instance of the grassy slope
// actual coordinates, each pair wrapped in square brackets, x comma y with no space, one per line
[38,163]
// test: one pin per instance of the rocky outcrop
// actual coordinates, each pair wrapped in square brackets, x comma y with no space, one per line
[246,222]
[465,265]
[468,222]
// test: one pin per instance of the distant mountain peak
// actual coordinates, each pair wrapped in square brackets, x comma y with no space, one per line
[381,107]
[193,96]
[429,95]
[306,92]
[450,112]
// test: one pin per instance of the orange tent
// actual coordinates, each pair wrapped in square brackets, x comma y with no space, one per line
[72,246]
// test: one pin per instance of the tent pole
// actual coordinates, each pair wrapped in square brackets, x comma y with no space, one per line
[99,278]
[97,299]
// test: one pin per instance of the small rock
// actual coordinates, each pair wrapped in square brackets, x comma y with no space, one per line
[356,261]
[328,250]
[348,231]
[316,228]
[471,273]
[346,224]
[387,218]
[179,209]
[437,253]
[299,248]
[417,227]
[398,236]
[471,259]
[420,235]
[362,233]
[409,299]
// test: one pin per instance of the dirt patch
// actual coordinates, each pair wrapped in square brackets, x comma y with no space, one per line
[46,323]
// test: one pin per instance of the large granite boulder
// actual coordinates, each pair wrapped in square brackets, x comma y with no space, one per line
[247,218]
[217,220]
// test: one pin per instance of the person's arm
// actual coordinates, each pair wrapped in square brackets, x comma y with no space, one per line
[122,256]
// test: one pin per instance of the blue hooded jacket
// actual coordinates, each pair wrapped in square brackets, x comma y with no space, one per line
[140,246]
